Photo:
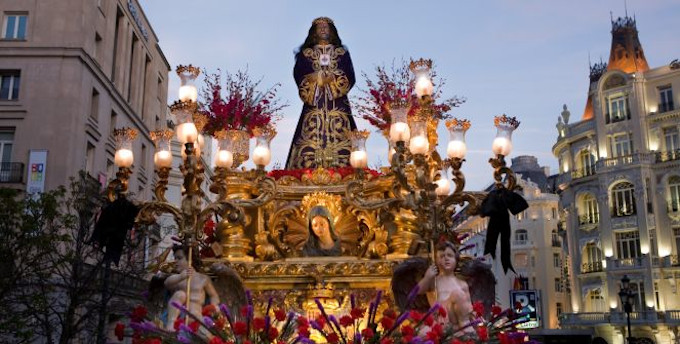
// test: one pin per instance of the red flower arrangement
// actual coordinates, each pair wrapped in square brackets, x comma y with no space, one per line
[239,105]
[301,172]
[394,88]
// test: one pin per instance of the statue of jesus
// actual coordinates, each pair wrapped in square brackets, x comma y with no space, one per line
[324,75]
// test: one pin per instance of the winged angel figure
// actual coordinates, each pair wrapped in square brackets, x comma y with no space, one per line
[455,280]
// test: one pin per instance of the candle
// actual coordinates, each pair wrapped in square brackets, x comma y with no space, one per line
[502,146]
[186,132]
[188,93]
[162,159]
[443,187]
[123,157]
[419,145]
[262,155]
[424,86]
[399,131]
[224,159]
[358,159]
[456,149]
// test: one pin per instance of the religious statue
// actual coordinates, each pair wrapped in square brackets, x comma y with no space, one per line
[322,240]
[324,75]
[177,284]
[452,293]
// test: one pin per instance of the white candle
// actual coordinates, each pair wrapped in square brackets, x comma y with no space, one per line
[261,156]
[419,145]
[162,159]
[186,132]
[358,159]
[443,187]
[424,86]
[224,159]
[501,146]
[399,131]
[123,157]
[188,93]
[456,149]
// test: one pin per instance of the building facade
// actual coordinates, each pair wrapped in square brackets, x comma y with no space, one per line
[620,190]
[537,253]
[65,84]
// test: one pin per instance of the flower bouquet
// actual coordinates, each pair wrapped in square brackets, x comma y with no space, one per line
[394,88]
[238,105]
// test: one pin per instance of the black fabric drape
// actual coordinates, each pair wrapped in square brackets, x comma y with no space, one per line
[496,206]
[115,220]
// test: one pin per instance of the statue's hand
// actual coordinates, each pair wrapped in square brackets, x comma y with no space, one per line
[187,273]
[431,272]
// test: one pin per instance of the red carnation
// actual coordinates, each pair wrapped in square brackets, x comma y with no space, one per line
[178,321]
[433,336]
[416,316]
[321,321]
[303,331]
[120,331]
[438,329]
[346,320]
[220,322]
[302,321]
[216,340]
[138,313]
[244,311]
[478,308]
[258,324]
[280,314]
[429,320]
[247,342]
[240,328]
[153,341]
[357,313]
[194,326]
[496,310]
[386,323]
[482,333]
[441,311]
[333,338]
[208,310]
[390,313]
[387,340]
[406,339]
[273,333]
[407,330]
[367,333]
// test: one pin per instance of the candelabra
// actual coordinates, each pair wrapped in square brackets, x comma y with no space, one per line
[192,214]
[420,182]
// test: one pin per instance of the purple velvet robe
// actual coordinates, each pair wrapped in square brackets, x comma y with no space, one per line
[320,138]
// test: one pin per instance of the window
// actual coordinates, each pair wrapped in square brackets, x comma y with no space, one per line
[9,85]
[638,301]
[521,236]
[623,199]
[593,255]
[674,194]
[6,141]
[110,170]
[558,309]
[595,302]
[143,157]
[665,99]
[676,234]
[587,161]
[556,260]
[89,162]
[621,145]
[114,121]
[617,109]
[652,242]
[628,245]
[97,46]
[588,211]
[558,285]
[94,105]
[671,139]
[14,26]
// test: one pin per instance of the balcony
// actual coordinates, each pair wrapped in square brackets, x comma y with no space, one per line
[671,317]
[665,107]
[668,156]
[583,172]
[522,243]
[625,160]
[11,172]
[624,222]
[587,268]
[639,318]
[626,263]
[556,243]
[581,319]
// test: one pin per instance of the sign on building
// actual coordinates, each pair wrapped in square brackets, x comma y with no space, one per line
[528,302]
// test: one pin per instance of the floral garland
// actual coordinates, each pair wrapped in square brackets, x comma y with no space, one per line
[239,105]
[299,173]
[394,88]
[218,325]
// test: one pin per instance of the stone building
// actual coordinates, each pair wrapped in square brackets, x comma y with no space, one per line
[620,189]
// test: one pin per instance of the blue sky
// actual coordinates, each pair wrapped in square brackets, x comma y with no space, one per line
[522,58]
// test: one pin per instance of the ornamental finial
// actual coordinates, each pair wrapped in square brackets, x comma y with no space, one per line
[322,19]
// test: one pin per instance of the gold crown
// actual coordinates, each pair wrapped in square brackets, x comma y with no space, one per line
[420,66]
[320,290]
[200,120]
[330,202]
[195,71]
[267,131]
[358,134]
[162,134]
[124,134]
[322,19]
[504,121]
[458,124]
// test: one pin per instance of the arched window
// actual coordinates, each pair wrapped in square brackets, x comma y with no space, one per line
[623,199]
[592,259]
[587,162]
[521,236]
[674,194]
[588,210]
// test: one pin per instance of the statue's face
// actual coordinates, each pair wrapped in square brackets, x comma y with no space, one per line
[321,227]
[446,259]
[323,31]
[181,260]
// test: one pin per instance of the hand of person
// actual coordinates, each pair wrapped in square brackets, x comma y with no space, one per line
[187,273]
[432,271]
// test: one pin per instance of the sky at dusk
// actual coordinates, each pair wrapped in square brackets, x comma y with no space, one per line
[521,58]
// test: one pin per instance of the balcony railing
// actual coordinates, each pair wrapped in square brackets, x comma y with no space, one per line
[567,319]
[668,156]
[670,317]
[556,243]
[522,243]
[587,268]
[665,107]
[626,263]
[624,160]
[11,172]
[583,172]
[589,219]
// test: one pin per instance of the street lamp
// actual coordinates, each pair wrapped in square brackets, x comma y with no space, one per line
[626,295]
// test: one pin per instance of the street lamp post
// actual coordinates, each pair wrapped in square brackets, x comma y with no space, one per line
[626,295]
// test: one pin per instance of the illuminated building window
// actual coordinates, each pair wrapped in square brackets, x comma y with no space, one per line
[623,199]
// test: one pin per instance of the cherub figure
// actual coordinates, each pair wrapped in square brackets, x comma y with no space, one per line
[201,285]
[452,292]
